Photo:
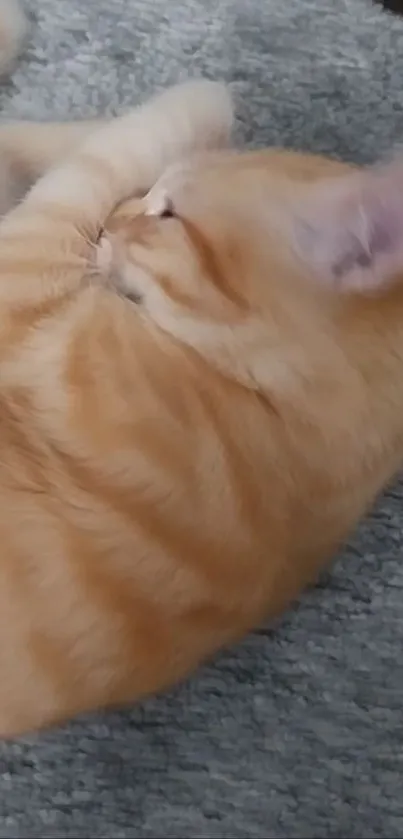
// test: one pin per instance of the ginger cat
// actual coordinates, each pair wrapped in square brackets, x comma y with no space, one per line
[189,430]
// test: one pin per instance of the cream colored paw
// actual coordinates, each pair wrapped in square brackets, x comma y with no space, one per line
[13,32]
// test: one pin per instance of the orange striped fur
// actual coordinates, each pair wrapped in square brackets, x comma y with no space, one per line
[172,471]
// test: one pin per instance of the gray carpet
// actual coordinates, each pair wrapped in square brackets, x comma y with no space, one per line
[298,732]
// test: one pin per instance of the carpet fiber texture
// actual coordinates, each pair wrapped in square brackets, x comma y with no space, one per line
[297,732]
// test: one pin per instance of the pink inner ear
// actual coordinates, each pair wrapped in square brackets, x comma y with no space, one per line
[350,229]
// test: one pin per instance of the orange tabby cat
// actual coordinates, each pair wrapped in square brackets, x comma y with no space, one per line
[173,470]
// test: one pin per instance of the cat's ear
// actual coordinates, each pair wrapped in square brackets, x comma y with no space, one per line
[349,230]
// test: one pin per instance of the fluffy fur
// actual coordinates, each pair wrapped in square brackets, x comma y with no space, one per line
[173,470]
[29,149]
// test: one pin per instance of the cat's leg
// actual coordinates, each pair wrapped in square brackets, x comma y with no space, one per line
[13,32]
[29,149]
[50,235]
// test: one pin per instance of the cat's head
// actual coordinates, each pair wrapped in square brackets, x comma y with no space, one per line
[229,246]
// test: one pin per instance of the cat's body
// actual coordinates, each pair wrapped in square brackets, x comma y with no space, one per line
[175,471]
